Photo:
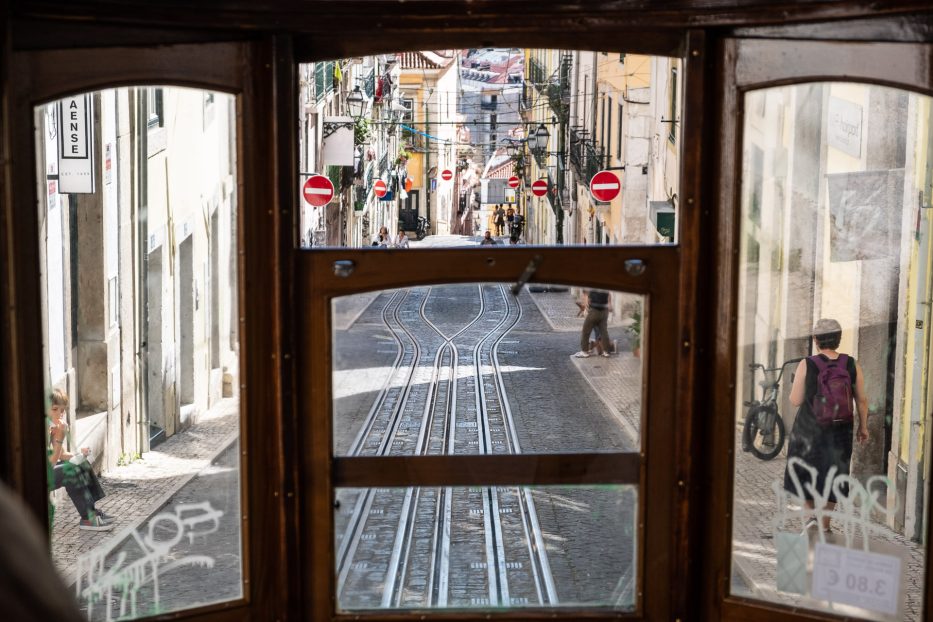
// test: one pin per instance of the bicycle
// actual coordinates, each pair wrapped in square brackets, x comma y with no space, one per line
[763,433]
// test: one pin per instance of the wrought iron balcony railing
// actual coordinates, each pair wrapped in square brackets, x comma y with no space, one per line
[586,156]
[369,84]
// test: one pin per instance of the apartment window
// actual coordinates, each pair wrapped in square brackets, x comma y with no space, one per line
[407,115]
[154,106]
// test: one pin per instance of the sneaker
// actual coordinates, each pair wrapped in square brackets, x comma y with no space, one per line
[582,355]
[606,354]
[105,518]
[94,524]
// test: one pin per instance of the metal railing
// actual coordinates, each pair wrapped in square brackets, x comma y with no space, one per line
[369,84]
[586,156]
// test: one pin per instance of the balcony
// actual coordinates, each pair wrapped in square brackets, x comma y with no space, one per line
[369,84]
[586,156]
[554,87]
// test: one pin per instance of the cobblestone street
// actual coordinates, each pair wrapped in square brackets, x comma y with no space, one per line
[184,496]
[196,466]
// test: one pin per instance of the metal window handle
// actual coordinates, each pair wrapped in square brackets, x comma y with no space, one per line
[527,274]
[343,267]
[635,267]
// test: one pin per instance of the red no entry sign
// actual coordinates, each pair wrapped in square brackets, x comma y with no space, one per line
[379,188]
[513,181]
[318,190]
[605,186]
[539,188]
[446,175]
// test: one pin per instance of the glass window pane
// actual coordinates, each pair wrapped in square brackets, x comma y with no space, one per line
[474,369]
[444,145]
[834,350]
[487,547]
[138,251]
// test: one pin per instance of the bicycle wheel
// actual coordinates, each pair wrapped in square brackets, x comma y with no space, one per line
[763,434]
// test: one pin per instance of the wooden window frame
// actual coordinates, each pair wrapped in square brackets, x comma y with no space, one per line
[240,69]
[38,68]
[750,64]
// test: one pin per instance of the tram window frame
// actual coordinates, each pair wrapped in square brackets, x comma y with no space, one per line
[706,232]
[751,64]
[318,282]
[41,76]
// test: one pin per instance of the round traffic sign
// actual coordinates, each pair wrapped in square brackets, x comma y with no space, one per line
[539,188]
[379,188]
[318,190]
[446,175]
[513,181]
[605,186]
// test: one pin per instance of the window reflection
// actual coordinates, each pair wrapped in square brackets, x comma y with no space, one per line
[137,217]
[834,348]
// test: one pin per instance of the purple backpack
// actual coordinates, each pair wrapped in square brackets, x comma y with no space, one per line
[833,400]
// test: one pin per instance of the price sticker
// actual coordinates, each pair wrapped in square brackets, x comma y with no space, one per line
[868,580]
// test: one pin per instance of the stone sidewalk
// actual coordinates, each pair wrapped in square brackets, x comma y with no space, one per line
[137,490]
[617,380]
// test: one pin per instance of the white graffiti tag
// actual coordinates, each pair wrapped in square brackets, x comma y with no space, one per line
[853,510]
[104,574]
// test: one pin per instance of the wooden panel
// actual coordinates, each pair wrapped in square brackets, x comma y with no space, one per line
[772,62]
[505,470]
[693,210]
[50,74]
[375,269]
[393,20]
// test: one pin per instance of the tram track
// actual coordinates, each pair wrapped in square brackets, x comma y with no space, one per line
[437,533]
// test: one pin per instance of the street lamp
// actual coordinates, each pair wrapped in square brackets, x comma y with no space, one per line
[356,103]
[532,140]
[542,136]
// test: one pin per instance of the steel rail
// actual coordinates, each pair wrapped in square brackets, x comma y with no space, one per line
[531,526]
[357,523]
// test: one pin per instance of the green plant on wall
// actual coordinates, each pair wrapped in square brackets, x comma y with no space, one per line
[402,157]
[518,164]
[361,131]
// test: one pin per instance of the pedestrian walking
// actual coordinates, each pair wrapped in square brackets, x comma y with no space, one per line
[499,219]
[73,471]
[510,218]
[598,307]
[401,240]
[828,389]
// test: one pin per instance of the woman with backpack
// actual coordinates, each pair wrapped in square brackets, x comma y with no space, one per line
[828,389]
